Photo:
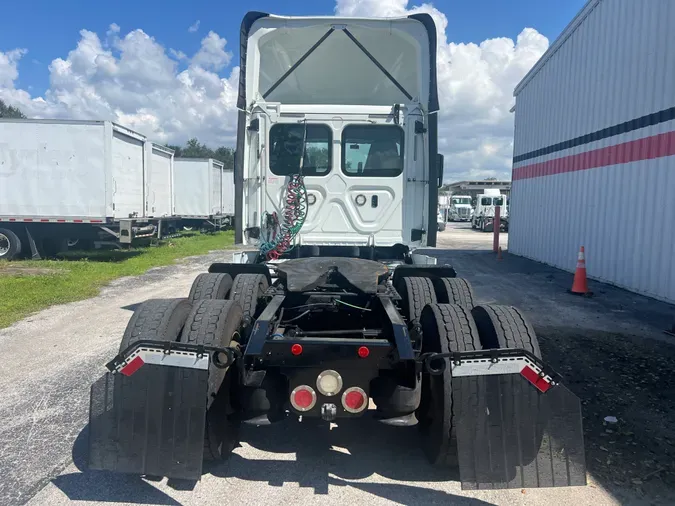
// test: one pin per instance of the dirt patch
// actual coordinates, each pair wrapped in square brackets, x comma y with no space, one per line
[19,270]
[631,379]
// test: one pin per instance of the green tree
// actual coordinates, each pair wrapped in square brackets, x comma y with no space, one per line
[225,155]
[8,111]
[195,149]
[177,150]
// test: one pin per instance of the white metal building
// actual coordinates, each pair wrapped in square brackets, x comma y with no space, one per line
[594,153]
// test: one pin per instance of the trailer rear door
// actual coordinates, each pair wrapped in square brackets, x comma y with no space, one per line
[127,173]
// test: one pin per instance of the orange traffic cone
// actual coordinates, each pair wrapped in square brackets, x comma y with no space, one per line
[580,284]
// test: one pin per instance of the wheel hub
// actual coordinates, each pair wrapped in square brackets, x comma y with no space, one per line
[4,245]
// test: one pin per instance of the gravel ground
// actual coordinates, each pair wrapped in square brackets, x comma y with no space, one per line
[602,346]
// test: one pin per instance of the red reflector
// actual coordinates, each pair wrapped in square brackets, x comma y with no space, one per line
[363,352]
[303,398]
[354,400]
[530,375]
[296,349]
[132,366]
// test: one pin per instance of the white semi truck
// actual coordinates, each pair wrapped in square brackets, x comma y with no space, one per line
[460,208]
[331,304]
[483,217]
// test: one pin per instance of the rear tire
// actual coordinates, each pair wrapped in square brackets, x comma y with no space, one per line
[505,327]
[446,328]
[10,244]
[210,286]
[454,291]
[247,289]
[216,323]
[157,320]
[416,293]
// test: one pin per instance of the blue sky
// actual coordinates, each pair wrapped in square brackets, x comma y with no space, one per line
[153,74]
[168,22]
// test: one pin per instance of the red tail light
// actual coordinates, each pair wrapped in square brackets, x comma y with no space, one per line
[354,400]
[303,398]
[363,352]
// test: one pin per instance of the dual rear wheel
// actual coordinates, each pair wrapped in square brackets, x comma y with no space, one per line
[217,312]
[444,314]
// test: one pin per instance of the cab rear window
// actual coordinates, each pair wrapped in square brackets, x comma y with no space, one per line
[286,149]
[372,150]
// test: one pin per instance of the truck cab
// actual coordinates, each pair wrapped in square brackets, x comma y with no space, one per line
[484,214]
[460,208]
[343,110]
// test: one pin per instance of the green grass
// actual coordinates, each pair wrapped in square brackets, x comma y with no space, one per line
[29,286]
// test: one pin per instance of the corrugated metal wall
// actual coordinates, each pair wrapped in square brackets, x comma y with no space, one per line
[594,154]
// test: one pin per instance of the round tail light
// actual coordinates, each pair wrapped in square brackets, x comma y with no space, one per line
[303,398]
[329,382]
[354,400]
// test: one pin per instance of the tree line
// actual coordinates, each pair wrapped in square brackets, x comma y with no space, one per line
[195,149]
[8,111]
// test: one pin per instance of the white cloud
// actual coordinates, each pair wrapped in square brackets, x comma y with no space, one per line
[194,27]
[132,79]
[9,66]
[475,87]
[212,54]
[178,55]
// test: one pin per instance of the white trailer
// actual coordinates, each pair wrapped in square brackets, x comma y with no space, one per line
[65,181]
[198,192]
[228,193]
[159,181]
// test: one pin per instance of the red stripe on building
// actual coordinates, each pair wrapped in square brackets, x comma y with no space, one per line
[656,146]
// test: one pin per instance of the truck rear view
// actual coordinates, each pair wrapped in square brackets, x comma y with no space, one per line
[332,305]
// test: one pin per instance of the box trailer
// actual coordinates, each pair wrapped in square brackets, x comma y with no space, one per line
[159,181]
[594,148]
[228,195]
[63,181]
[198,192]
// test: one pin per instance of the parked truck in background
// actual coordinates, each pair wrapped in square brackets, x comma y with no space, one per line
[484,214]
[460,208]
[76,183]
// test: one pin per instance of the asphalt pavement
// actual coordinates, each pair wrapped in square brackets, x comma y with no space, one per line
[50,359]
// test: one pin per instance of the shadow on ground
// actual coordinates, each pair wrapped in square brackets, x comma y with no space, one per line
[322,457]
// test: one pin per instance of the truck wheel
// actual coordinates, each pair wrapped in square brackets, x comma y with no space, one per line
[446,328]
[454,291]
[506,327]
[210,285]
[217,323]
[247,290]
[156,319]
[416,293]
[10,244]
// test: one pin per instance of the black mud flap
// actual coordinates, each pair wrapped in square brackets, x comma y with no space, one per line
[512,435]
[149,423]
